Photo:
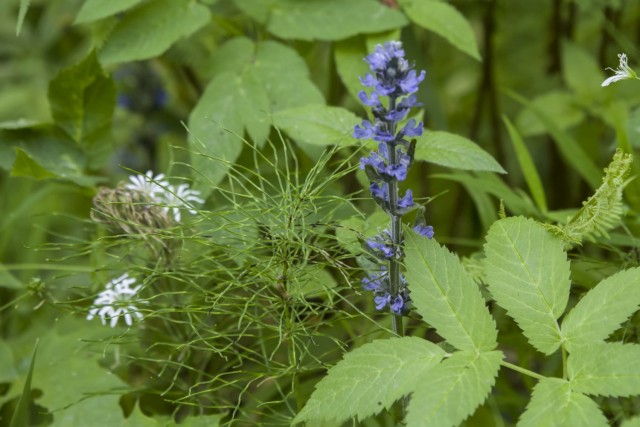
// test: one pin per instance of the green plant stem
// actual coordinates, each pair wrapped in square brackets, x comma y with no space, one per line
[522,370]
[396,231]
[564,363]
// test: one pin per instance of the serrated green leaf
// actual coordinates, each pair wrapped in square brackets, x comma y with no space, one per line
[22,412]
[561,106]
[570,149]
[445,296]
[247,90]
[370,378]
[554,404]
[601,311]
[92,10]
[528,275]
[349,57]
[528,167]
[151,29]
[453,389]
[444,20]
[318,124]
[605,369]
[82,98]
[322,19]
[447,149]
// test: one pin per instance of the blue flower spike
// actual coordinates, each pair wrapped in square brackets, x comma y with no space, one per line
[391,77]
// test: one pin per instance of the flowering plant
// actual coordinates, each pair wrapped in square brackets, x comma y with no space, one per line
[394,78]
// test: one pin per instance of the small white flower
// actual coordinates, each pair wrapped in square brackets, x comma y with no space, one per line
[115,302]
[180,197]
[623,72]
[154,187]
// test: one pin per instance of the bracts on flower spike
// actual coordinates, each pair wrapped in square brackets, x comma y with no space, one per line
[391,77]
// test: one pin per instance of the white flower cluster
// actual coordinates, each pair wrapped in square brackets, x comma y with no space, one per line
[171,198]
[623,72]
[115,302]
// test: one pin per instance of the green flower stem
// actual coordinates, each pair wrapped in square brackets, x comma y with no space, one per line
[522,370]
[396,231]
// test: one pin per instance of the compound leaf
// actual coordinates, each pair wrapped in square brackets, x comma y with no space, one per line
[528,275]
[370,378]
[445,296]
[605,369]
[453,389]
[602,309]
[555,404]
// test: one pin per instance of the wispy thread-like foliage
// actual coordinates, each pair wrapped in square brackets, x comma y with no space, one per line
[241,304]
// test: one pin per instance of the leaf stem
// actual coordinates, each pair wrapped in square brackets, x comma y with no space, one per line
[522,370]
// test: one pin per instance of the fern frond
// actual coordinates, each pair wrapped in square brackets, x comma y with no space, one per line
[603,210]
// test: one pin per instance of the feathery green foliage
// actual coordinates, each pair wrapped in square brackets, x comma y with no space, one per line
[604,209]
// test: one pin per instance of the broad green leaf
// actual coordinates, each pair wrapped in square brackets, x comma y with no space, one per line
[570,149]
[312,281]
[322,19]
[453,389]
[87,411]
[445,296]
[605,369]
[51,150]
[528,275]
[581,71]
[601,311]
[151,29]
[528,167]
[247,90]
[454,151]
[349,56]
[24,165]
[370,378]
[21,415]
[554,404]
[92,10]
[318,124]
[216,129]
[561,106]
[65,362]
[490,183]
[82,99]
[444,20]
